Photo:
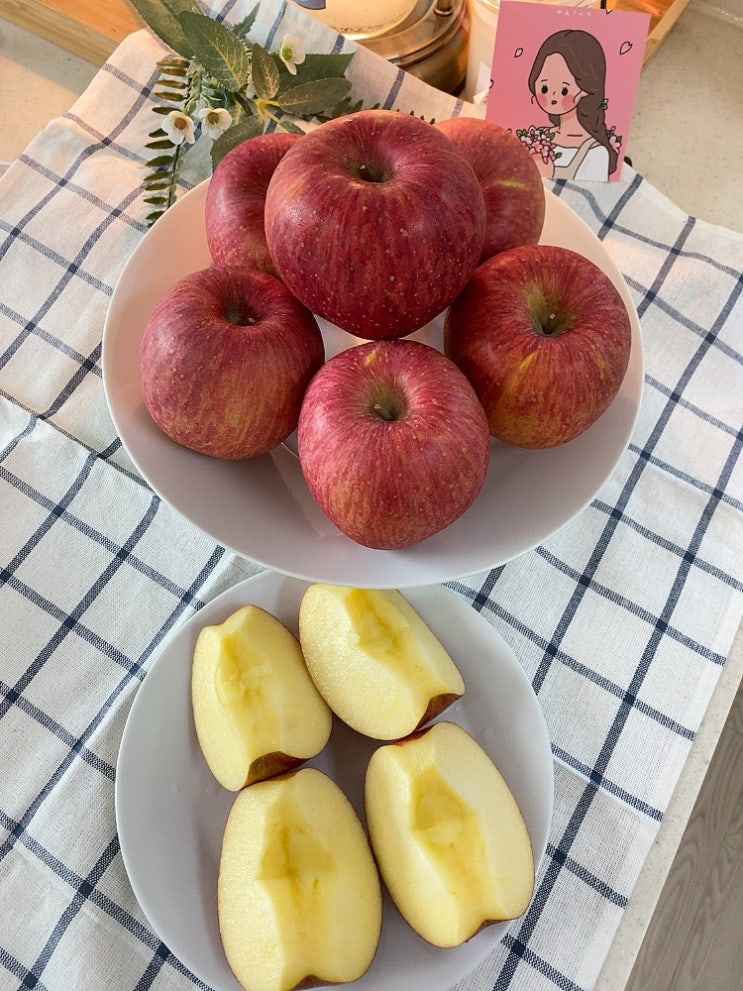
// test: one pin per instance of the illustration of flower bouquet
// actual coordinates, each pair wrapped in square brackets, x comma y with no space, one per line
[540,141]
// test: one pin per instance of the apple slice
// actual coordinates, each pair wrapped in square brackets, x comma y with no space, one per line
[299,897]
[447,834]
[374,661]
[256,710]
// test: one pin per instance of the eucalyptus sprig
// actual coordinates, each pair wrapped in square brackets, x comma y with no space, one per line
[220,84]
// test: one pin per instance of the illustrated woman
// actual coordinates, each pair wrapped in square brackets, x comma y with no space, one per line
[567,82]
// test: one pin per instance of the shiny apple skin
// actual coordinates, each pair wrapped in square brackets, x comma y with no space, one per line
[540,390]
[235,201]
[375,222]
[513,190]
[391,483]
[225,359]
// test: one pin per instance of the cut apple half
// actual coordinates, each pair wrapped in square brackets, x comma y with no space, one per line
[299,897]
[374,660]
[256,710]
[450,841]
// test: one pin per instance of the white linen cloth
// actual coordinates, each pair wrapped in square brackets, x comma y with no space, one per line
[622,620]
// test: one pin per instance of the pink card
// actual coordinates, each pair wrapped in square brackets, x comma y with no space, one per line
[564,80]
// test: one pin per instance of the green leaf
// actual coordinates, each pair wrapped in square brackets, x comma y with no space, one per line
[161,94]
[239,110]
[173,67]
[172,84]
[222,54]
[243,28]
[288,125]
[162,17]
[159,161]
[313,98]
[265,73]
[343,108]
[249,127]
[171,80]
[318,67]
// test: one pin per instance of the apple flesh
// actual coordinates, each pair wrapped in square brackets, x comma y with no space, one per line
[393,442]
[374,660]
[544,337]
[449,839]
[256,710]
[375,222]
[235,201]
[299,897]
[512,187]
[225,359]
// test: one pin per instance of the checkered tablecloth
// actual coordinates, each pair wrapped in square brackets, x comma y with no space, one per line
[622,620]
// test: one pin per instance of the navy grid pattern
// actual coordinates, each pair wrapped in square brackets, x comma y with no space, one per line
[622,620]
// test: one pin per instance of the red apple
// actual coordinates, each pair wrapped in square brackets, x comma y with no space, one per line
[511,184]
[225,358]
[235,198]
[544,337]
[393,442]
[375,222]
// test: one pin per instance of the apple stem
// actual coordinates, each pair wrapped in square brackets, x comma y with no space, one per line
[234,311]
[550,315]
[371,173]
[388,407]
[551,320]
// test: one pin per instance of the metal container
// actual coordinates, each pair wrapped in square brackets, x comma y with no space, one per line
[431,43]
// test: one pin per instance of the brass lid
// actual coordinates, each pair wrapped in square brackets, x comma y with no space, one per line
[431,43]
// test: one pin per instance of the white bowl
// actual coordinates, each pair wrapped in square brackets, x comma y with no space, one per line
[262,509]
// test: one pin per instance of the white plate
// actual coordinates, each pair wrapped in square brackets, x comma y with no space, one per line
[262,509]
[171,812]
